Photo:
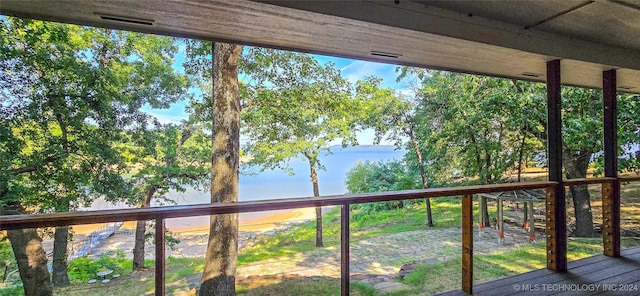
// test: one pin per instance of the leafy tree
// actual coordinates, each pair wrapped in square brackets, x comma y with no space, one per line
[582,133]
[167,158]
[628,134]
[486,125]
[295,107]
[389,113]
[380,176]
[68,93]
[463,120]
[582,137]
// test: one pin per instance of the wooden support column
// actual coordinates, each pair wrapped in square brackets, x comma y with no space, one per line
[467,244]
[556,224]
[344,246]
[610,190]
[160,260]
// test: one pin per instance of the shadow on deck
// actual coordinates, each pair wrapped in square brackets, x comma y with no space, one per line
[597,275]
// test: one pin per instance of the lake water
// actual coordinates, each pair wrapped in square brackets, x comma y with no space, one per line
[275,184]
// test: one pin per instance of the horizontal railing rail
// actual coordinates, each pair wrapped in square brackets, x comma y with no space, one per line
[630,179]
[104,216]
[587,181]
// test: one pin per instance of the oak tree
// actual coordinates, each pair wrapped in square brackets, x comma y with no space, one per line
[295,107]
[69,92]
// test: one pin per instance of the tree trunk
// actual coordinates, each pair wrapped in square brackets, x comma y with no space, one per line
[423,174]
[482,173]
[219,273]
[138,248]
[576,166]
[525,213]
[485,211]
[316,193]
[60,242]
[520,158]
[27,249]
[60,276]
[32,261]
[140,240]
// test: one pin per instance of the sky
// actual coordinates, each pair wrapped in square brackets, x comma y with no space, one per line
[352,70]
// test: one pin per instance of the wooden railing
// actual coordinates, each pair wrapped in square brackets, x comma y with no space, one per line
[159,214]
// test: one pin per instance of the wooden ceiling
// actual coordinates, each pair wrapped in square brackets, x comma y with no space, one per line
[501,38]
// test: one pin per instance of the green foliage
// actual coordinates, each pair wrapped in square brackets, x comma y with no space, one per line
[6,255]
[167,158]
[70,92]
[13,289]
[301,238]
[319,287]
[297,239]
[379,177]
[14,284]
[385,111]
[293,107]
[83,269]
[628,134]
[461,119]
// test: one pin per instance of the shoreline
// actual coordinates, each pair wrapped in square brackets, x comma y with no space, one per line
[248,222]
[265,221]
[194,237]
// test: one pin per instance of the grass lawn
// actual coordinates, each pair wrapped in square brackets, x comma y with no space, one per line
[446,214]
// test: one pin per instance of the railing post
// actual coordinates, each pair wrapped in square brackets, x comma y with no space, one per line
[344,246]
[160,257]
[610,190]
[611,218]
[555,230]
[467,243]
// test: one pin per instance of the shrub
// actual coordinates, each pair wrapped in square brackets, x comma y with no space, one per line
[380,177]
[83,269]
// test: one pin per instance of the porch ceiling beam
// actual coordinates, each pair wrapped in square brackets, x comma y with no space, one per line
[420,34]
[422,16]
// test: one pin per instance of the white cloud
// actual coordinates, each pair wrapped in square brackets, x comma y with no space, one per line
[358,70]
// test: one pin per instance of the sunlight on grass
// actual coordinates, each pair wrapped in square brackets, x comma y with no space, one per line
[446,214]
[305,286]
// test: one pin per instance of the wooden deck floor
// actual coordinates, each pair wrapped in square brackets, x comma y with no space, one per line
[597,275]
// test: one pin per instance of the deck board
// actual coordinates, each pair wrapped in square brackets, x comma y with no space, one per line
[598,270]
